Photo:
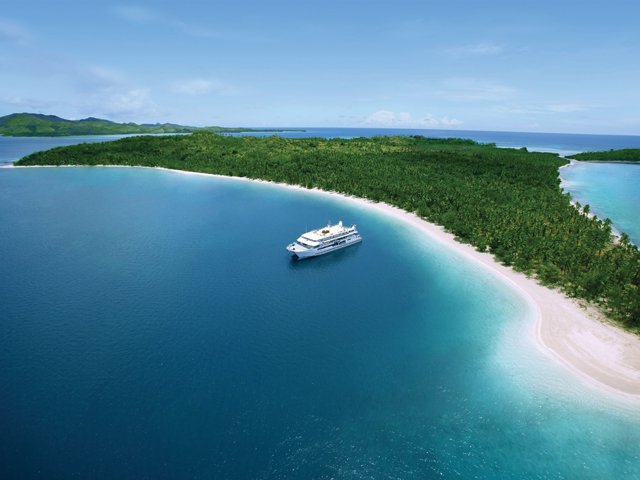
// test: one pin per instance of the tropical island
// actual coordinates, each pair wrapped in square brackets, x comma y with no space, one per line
[507,202]
[623,155]
[38,125]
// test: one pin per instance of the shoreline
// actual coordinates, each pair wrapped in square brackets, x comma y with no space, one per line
[600,354]
[617,234]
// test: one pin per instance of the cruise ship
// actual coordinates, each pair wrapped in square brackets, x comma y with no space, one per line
[324,240]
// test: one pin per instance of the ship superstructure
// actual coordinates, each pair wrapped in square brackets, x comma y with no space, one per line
[324,240]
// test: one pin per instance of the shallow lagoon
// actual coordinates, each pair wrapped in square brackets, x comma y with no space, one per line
[154,326]
[610,189]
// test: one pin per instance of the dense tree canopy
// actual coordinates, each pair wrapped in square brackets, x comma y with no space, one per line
[504,201]
[624,155]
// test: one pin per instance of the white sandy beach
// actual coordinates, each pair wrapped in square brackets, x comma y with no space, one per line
[600,354]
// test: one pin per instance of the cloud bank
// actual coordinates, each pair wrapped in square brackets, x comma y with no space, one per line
[387,118]
[14,32]
[201,87]
[474,49]
[138,15]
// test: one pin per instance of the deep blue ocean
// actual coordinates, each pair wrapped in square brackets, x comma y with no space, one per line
[153,326]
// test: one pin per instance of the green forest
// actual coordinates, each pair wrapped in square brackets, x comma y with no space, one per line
[504,201]
[624,155]
[37,125]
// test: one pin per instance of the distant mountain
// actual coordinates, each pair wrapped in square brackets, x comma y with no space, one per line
[38,125]
[92,119]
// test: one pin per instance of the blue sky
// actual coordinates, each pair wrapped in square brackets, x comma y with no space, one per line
[549,66]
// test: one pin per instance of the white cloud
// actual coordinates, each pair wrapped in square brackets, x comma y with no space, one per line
[430,120]
[545,108]
[106,92]
[143,15]
[129,104]
[474,49]
[382,117]
[387,118]
[202,87]
[475,90]
[99,77]
[450,122]
[136,13]
[14,32]
[567,108]
[132,102]
[194,30]
[25,103]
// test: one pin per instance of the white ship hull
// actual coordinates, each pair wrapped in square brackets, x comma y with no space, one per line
[301,253]
[324,240]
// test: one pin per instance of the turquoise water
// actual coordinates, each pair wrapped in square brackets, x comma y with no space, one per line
[612,190]
[153,326]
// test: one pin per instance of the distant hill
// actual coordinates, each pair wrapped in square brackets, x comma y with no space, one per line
[38,125]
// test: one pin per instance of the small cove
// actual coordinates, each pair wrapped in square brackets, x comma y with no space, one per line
[610,189]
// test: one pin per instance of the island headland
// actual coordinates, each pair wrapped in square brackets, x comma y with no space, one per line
[631,155]
[505,205]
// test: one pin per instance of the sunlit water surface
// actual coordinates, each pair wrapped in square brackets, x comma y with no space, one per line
[153,326]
